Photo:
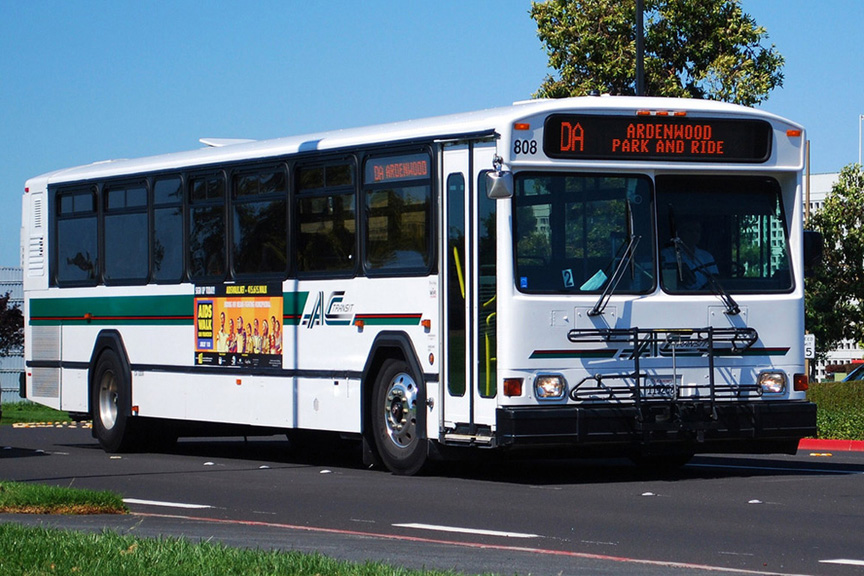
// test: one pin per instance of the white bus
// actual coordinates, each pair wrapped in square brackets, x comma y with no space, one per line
[599,275]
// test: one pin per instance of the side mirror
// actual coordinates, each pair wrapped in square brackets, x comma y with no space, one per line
[499,185]
[813,246]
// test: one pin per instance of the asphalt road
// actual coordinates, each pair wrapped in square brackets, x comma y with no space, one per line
[718,515]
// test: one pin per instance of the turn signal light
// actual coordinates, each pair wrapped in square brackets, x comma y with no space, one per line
[513,386]
[801,382]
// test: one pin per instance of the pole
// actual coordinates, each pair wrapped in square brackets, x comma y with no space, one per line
[640,51]
[807,364]
[807,187]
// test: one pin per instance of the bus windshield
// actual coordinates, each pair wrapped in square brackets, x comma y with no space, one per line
[726,231]
[572,231]
[714,234]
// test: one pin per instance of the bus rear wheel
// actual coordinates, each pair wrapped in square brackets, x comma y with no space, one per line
[110,402]
[396,420]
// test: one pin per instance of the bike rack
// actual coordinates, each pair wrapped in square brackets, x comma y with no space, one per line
[705,343]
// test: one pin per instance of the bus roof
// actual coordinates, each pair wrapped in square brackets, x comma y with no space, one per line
[489,121]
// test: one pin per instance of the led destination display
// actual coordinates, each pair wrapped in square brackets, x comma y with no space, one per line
[656,138]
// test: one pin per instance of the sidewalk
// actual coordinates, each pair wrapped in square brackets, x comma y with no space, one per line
[821,445]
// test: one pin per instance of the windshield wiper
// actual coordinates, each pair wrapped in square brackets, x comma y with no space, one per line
[624,258]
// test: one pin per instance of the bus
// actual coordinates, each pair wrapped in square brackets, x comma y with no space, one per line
[589,276]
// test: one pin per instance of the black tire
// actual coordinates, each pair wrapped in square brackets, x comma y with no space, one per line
[398,418]
[110,402]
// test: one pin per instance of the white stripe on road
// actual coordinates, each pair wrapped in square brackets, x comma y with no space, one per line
[844,561]
[164,504]
[467,530]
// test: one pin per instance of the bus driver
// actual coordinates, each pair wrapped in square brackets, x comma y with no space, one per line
[685,265]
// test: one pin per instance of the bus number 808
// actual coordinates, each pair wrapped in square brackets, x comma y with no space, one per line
[524,146]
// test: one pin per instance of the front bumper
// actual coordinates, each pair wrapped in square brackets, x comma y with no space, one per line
[760,427]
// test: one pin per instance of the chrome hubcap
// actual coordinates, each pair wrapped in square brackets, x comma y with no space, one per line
[108,400]
[400,410]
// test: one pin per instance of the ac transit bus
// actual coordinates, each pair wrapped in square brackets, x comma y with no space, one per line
[599,275]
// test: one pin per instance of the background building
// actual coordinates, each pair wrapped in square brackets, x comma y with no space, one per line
[13,365]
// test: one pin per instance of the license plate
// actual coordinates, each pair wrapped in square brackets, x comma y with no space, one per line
[665,387]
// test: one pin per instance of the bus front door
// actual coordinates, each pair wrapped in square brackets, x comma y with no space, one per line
[469,287]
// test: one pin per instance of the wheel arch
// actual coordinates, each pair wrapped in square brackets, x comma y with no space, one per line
[389,344]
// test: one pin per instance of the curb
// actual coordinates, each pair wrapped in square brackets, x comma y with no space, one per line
[836,445]
[84,424]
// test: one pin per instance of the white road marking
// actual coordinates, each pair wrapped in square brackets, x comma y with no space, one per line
[466,530]
[165,504]
[844,561]
[666,564]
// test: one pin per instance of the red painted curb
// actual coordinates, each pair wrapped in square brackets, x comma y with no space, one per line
[837,445]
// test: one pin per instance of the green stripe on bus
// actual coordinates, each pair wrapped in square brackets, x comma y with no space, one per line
[752,352]
[600,353]
[174,310]
[293,304]
[389,319]
[164,310]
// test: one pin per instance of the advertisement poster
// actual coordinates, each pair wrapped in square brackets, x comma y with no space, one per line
[238,325]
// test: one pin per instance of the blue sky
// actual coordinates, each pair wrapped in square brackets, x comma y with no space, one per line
[92,80]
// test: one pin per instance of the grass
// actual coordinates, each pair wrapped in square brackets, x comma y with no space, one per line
[840,409]
[21,498]
[25,412]
[36,551]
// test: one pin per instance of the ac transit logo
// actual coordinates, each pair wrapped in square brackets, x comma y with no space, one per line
[336,312]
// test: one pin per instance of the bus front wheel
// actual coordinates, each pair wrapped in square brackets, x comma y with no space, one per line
[395,404]
[110,403]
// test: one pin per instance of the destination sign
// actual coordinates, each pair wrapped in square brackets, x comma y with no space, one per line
[672,138]
[396,168]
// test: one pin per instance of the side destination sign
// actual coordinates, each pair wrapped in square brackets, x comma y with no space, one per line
[668,138]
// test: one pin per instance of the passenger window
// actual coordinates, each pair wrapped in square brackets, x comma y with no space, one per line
[260,223]
[76,247]
[207,228]
[326,219]
[126,233]
[168,230]
[398,202]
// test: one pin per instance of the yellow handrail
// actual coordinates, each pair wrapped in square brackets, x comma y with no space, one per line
[459,270]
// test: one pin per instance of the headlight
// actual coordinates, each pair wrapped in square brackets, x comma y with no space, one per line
[550,387]
[772,382]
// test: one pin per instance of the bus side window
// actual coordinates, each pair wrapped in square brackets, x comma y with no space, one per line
[126,233]
[260,223]
[167,249]
[326,230]
[397,192]
[76,247]
[207,228]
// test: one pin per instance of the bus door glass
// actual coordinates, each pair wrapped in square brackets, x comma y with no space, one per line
[456,400]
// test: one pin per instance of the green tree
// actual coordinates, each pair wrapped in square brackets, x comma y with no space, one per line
[11,327]
[693,48]
[834,293]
